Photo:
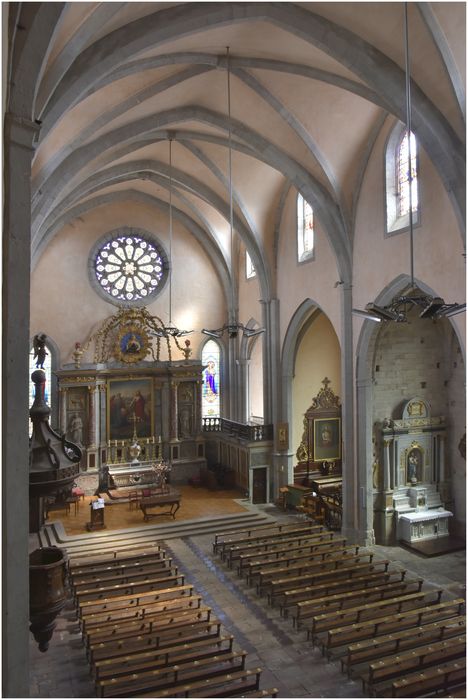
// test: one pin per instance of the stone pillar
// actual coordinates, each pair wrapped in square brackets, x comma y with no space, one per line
[355,503]
[92,417]
[63,391]
[173,411]
[233,385]
[272,408]
[103,414]
[387,463]
[441,456]
[197,407]
[244,391]
[18,139]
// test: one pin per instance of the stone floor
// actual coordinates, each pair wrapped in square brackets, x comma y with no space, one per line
[289,662]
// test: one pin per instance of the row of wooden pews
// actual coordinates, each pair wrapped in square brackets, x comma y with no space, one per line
[399,639]
[148,634]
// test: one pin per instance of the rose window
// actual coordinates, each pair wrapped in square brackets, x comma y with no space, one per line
[129,268]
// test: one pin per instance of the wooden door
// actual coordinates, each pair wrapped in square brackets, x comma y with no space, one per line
[259,485]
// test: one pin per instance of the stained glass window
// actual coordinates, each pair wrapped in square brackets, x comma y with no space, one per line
[48,372]
[211,384]
[305,229]
[129,267]
[250,270]
[403,176]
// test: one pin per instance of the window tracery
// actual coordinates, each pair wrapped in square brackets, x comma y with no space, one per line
[129,267]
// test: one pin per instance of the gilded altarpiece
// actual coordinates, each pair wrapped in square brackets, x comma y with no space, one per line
[129,393]
[319,453]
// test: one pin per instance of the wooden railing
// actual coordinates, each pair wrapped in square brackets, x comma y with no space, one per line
[249,433]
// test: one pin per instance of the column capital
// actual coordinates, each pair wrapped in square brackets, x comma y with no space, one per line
[22,132]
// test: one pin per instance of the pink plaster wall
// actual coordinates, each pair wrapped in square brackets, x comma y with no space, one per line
[65,306]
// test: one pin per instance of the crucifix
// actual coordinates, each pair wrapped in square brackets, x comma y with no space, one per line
[135,420]
[326,382]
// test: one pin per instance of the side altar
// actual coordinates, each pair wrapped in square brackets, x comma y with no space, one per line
[413,485]
[129,395]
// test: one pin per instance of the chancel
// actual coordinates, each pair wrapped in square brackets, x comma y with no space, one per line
[234,310]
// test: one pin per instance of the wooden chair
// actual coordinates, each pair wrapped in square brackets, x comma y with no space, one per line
[133,500]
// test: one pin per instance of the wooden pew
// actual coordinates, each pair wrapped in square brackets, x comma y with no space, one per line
[149,625]
[250,536]
[124,572]
[131,588]
[168,676]
[114,558]
[340,601]
[382,672]
[311,577]
[159,639]
[92,620]
[133,600]
[162,656]
[224,686]
[313,545]
[242,552]
[354,615]
[300,565]
[338,637]
[291,597]
[443,677]
[377,647]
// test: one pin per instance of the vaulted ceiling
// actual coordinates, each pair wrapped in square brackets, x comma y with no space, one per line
[311,87]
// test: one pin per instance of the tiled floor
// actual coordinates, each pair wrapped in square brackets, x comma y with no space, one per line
[289,662]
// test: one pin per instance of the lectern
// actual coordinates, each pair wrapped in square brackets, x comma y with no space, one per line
[97,515]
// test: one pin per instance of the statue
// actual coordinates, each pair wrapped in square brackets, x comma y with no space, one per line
[40,352]
[75,429]
[414,465]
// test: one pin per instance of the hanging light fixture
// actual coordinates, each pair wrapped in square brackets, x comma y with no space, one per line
[401,305]
[235,327]
[170,330]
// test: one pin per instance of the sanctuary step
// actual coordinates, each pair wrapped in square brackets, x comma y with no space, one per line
[53,534]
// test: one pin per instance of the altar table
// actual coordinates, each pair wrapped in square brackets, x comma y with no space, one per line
[171,499]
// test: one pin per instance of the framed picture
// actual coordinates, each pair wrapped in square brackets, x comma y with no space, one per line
[282,438]
[129,404]
[327,439]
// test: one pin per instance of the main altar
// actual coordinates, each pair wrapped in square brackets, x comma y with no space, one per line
[129,399]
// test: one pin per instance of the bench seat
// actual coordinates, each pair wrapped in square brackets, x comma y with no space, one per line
[341,601]
[225,685]
[162,657]
[134,600]
[377,647]
[168,676]
[420,658]
[349,634]
[148,625]
[131,588]
[291,597]
[338,618]
[440,677]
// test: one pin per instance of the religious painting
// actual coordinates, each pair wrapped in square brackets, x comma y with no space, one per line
[327,439]
[132,344]
[129,408]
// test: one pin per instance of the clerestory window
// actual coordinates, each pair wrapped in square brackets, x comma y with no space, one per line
[305,230]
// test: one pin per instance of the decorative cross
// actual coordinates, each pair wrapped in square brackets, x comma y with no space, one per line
[326,382]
